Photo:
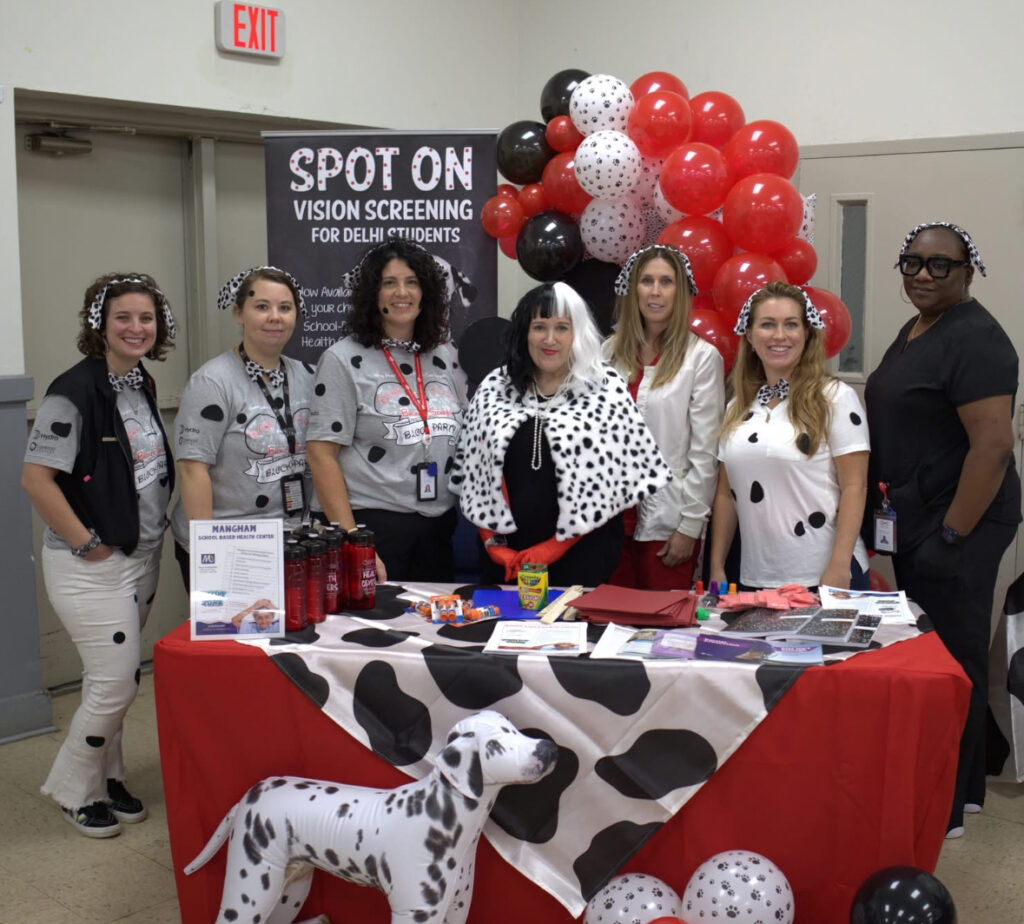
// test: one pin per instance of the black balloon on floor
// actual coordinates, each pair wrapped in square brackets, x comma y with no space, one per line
[902,895]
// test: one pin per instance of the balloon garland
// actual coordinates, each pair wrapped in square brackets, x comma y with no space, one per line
[614,167]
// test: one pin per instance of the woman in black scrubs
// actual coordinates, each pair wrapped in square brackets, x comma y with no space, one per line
[940,408]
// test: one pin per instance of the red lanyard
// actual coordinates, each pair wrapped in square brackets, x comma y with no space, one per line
[418,401]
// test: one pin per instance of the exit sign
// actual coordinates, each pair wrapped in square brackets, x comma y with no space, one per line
[249,30]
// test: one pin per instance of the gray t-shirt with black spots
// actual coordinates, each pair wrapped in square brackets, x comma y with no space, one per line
[360,405]
[55,441]
[224,420]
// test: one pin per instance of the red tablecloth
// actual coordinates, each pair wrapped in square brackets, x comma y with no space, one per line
[852,771]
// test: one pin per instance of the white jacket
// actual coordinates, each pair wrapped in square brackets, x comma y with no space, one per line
[684,415]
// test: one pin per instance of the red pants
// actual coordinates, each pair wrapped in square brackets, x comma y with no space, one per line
[641,568]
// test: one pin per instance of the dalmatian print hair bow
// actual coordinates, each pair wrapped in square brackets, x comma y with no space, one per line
[622,280]
[972,250]
[228,293]
[810,312]
[131,379]
[96,308]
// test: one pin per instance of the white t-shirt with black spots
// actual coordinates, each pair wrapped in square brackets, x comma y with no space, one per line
[359,404]
[55,440]
[786,502]
[224,421]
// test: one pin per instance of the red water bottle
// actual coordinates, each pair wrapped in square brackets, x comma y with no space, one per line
[332,576]
[316,559]
[294,586]
[360,570]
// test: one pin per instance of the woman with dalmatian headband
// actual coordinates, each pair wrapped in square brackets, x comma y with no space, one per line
[794,453]
[940,405]
[677,381]
[387,414]
[99,472]
[554,449]
[240,432]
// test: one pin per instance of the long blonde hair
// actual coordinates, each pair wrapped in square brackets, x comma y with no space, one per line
[629,335]
[810,411]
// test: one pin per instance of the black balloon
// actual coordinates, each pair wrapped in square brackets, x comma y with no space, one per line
[523,151]
[549,245]
[902,895]
[595,281]
[554,98]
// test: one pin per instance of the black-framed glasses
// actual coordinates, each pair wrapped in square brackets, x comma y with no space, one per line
[910,264]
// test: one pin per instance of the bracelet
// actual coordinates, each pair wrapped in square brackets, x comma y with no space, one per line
[87,547]
[951,536]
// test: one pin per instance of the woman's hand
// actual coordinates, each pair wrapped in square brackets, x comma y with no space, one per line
[676,550]
[835,576]
[101,553]
[382,572]
[718,574]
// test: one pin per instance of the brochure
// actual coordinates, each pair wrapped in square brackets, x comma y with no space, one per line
[719,648]
[890,605]
[534,637]
[645,644]
[795,653]
[237,574]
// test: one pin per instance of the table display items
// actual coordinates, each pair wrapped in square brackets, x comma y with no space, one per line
[533,586]
[285,828]
[608,603]
[360,567]
[633,897]
[452,609]
[295,589]
[738,884]
[902,893]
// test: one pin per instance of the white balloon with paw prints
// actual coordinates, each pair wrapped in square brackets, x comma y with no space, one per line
[632,898]
[738,885]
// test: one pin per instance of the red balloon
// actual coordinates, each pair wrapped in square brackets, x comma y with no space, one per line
[507,189]
[763,146]
[703,301]
[667,919]
[695,178]
[533,200]
[502,216]
[834,313]
[798,259]
[704,241]
[762,212]
[657,80]
[716,118]
[659,122]
[876,582]
[562,135]
[716,330]
[508,246]
[561,188]
[739,278]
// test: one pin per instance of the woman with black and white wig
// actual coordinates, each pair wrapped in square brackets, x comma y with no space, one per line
[387,414]
[241,427]
[99,472]
[554,449]
[794,453]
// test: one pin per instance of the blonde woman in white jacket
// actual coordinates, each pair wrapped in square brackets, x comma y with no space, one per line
[678,383]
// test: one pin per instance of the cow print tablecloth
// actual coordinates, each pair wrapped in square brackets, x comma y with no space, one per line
[636,739]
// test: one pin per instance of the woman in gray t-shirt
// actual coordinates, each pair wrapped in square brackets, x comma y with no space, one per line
[99,473]
[240,433]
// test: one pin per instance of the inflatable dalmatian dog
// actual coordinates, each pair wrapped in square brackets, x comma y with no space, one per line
[416,843]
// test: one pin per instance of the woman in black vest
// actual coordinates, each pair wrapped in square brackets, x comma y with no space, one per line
[99,472]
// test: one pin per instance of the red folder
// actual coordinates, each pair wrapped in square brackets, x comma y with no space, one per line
[624,605]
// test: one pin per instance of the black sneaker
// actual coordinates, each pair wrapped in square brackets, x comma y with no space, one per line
[94,820]
[123,805]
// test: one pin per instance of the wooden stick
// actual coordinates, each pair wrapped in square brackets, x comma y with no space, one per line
[557,606]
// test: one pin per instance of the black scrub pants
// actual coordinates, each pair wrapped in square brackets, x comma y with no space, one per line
[954,585]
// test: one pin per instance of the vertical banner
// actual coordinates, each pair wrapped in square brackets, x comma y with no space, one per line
[332,195]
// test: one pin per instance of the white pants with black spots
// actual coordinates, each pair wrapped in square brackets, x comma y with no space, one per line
[103,606]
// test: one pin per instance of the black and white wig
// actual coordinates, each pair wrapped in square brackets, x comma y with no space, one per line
[554,300]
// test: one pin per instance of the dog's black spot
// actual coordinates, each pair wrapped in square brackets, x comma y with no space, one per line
[265,881]
[259,832]
[331,857]
[609,849]
[430,895]
[420,916]
[278,782]
[255,857]
[385,870]
[253,794]
[243,873]
[451,756]
[269,829]
[312,853]
[248,819]
[642,772]
[397,725]
[230,914]
[302,785]
[475,777]
[330,790]
[621,687]
[95,741]
[451,863]
[245,899]
[359,838]
[313,685]
[371,867]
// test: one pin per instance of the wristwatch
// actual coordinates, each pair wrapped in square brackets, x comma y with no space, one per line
[951,536]
[87,547]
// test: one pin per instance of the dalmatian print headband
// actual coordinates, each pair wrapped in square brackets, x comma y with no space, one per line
[810,312]
[96,308]
[352,277]
[229,291]
[972,250]
[622,280]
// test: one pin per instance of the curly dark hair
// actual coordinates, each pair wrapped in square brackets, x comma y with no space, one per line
[364,320]
[92,342]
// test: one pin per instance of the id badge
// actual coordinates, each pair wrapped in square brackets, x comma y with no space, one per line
[293,495]
[885,531]
[426,481]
